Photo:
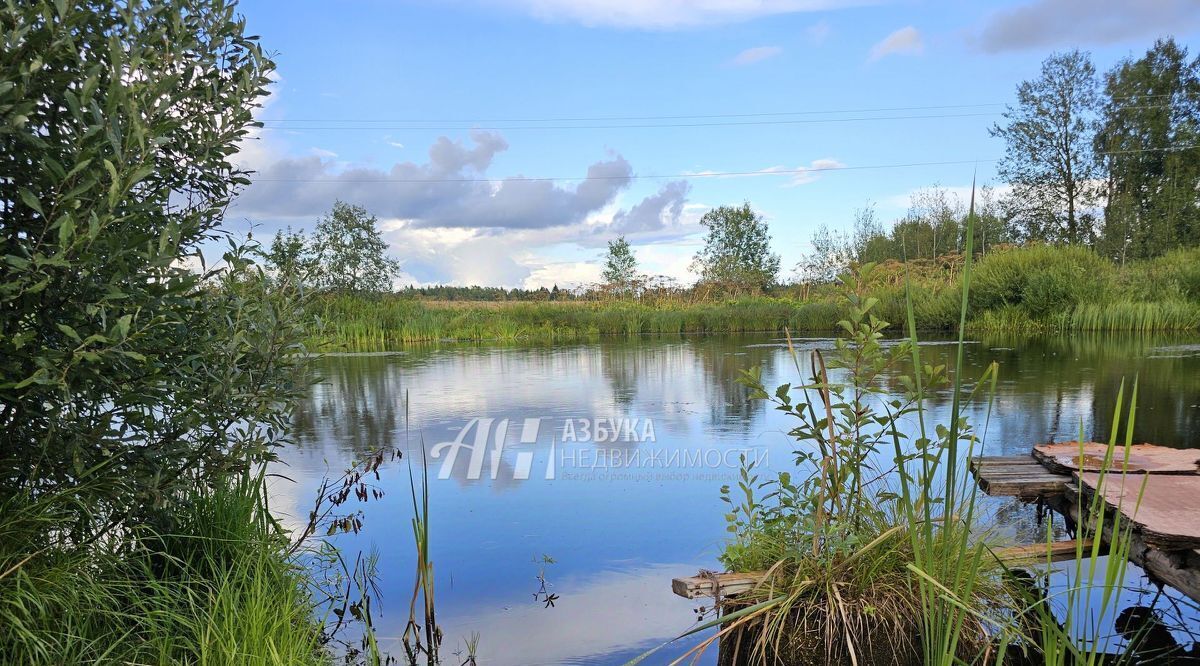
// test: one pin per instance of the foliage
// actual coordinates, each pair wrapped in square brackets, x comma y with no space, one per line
[620,267]
[737,250]
[1147,144]
[116,361]
[846,548]
[1048,150]
[217,589]
[350,252]
[933,228]
[1042,280]
[291,260]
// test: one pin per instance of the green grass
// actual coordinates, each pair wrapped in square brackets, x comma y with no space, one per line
[1034,289]
[215,585]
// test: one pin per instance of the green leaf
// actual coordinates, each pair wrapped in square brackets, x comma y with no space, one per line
[30,200]
[70,332]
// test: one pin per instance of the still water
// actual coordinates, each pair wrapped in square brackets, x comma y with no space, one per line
[611,459]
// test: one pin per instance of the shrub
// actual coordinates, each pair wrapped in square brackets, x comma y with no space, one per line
[1042,280]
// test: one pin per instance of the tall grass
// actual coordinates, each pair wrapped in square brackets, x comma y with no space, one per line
[1031,289]
[214,585]
[359,323]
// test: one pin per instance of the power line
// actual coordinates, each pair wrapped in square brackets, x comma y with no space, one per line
[687,175]
[805,121]
[608,118]
[702,174]
[372,123]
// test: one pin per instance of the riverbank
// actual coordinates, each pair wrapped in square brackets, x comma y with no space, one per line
[1034,289]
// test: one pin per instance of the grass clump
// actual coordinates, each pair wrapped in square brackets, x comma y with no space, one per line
[848,547]
[217,586]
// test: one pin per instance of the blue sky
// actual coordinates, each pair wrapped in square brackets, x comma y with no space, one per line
[429,114]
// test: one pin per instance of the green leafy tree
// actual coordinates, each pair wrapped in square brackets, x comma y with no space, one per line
[832,253]
[291,259]
[1048,156]
[620,267]
[1149,145]
[737,250]
[126,379]
[351,253]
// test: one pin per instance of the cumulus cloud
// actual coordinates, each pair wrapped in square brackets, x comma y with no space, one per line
[666,14]
[905,41]
[756,54]
[449,190]
[448,223]
[1049,23]
[655,212]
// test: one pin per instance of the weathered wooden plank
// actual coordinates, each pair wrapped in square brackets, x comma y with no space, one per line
[1039,553]
[1033,472]
[1178,568]
[1167,513]
[1026,488]
[986,461]
[1070,457]
[714,584]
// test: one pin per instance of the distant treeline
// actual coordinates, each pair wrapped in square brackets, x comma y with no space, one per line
[478,293]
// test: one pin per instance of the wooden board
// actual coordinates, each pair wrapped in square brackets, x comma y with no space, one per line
[709,585]
[1168,515]
[1016,476]
[1178,568]
[1039,553]
[1066,458]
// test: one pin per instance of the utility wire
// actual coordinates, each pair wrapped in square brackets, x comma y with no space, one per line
[711,116]
[804,121]
[686,175]
[606,118]
[702,174]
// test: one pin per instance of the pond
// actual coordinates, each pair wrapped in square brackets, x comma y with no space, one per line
[612,457]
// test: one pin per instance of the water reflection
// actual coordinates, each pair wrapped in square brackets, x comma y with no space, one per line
[619,535]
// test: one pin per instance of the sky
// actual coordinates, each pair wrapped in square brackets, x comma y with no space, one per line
[505,142]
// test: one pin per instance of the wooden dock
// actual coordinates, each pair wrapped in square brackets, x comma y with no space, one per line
[1159,493]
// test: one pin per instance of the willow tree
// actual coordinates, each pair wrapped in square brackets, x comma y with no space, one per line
[126,378]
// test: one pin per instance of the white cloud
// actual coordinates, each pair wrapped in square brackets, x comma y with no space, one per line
[800,175]
[905,41]
[324,154]
[756,54]
[1045,24]
[666,14]
[808,174]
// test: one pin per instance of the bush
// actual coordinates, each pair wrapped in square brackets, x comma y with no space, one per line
[1042,280]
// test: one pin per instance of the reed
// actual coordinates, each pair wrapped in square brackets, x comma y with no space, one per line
[1029,290]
